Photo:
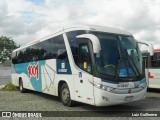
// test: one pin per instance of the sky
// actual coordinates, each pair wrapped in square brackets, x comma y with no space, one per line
[28,20]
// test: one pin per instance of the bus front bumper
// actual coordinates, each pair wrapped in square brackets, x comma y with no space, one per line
[105,98]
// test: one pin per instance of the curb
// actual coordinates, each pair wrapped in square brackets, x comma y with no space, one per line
[2,86]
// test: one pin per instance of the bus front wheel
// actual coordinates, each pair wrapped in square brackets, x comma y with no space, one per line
[21,88]
[65,95]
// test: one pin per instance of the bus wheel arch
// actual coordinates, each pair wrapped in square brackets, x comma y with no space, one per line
[59,86]
[64,94]
[21,88]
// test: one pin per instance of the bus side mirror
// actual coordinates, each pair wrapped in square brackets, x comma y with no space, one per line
[94,40]
[150,46]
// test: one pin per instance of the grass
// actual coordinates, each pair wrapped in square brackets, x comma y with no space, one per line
[10,86]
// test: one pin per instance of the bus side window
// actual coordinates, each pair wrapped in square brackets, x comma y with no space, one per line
[74,44]
[62,55]
[20,57]
[154,61]
[44,49]
[59,49]
[14,58]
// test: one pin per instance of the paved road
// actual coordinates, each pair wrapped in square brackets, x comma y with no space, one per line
[33,101]
[14,100]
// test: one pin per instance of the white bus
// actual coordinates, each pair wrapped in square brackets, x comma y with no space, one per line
[152,68]
[96,65]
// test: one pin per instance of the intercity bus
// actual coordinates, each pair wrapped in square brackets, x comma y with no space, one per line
[96,65]
[152,68]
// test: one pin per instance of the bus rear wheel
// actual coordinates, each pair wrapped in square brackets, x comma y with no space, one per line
[65,95]
[21,88]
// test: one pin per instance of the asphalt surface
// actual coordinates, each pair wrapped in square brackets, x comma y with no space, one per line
[34,101]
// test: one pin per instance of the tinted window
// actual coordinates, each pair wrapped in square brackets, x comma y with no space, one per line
[44,50]
[155,60]
[59,49]
[14,57]
[20,56]
[73,43]
[28,55]
[53,48]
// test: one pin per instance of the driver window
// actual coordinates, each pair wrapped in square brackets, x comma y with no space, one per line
[84,58]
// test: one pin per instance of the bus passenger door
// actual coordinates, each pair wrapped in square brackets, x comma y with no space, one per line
[83,88]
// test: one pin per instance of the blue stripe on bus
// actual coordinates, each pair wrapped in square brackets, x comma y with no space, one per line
[36,80]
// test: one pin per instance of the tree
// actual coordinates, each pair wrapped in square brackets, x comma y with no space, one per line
[7,45]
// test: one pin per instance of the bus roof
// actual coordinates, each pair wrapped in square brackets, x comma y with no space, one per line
[156,50]
[97,28]
[77,27]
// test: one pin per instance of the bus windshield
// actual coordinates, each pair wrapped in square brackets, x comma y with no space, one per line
[119,56]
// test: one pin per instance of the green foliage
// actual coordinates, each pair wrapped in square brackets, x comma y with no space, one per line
[10,86]
[7,45]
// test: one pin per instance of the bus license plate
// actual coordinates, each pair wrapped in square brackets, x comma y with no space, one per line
[123,85]
[129,98]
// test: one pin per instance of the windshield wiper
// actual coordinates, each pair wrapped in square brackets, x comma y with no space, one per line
[131,62]
[120,59]
[120,62]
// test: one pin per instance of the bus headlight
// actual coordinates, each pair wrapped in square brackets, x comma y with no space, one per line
[143,85]
[107,88]
[103,87]
[97,85]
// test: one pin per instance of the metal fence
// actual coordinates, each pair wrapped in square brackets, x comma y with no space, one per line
[5,71]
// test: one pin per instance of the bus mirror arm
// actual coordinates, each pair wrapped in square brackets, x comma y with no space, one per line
[93,39]
[150,46]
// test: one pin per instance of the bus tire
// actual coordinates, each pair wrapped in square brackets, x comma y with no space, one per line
[65,95]
[21,88]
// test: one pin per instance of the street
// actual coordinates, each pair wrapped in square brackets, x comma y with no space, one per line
[34,101]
